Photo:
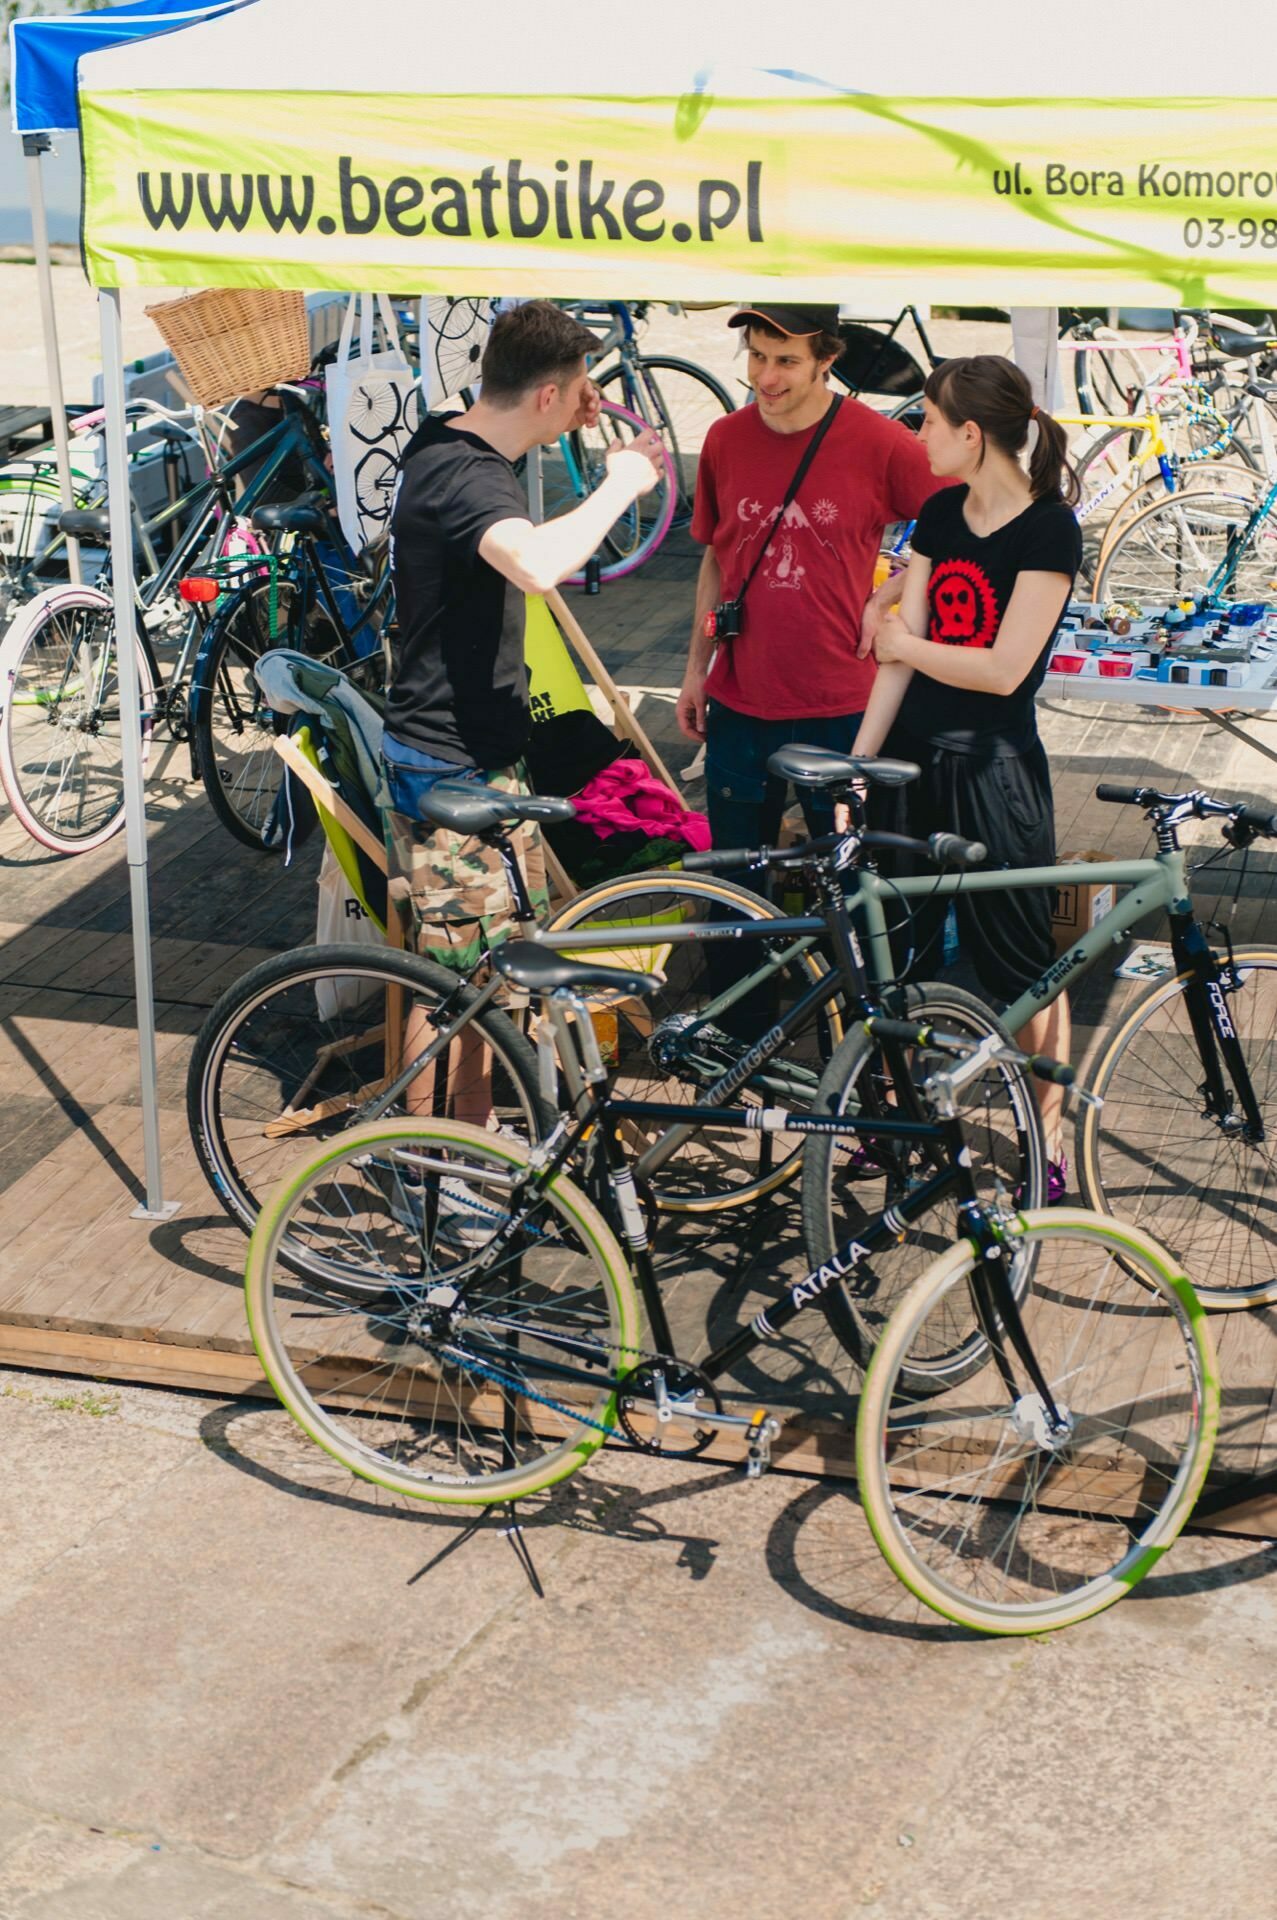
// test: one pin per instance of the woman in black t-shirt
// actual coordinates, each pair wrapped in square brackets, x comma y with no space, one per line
[993,564]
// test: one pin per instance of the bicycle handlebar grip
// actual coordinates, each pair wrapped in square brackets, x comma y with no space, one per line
[951,850]
[1120,796]
[1258,819]
[723,859]
[1058,1072]
[910,1033]
[914,1033]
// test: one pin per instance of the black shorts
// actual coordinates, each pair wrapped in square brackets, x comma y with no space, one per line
[1003,800]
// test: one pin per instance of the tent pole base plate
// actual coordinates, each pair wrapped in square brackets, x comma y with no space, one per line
[165,1212]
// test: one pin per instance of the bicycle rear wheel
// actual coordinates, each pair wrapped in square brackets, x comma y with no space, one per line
[674,1046]
[412,1360]
[988,1512]
[572,469]
[847,1183]
[678,400]
[294,1048]
[61,744]
[1153,1156]
[235,728]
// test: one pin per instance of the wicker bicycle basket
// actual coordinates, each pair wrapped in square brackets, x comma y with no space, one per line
[230,341]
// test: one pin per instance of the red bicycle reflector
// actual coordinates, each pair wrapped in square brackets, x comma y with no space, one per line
[197,587]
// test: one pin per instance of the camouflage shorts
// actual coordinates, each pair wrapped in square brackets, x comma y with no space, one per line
[459,895]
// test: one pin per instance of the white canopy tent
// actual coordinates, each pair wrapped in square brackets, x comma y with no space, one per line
[722,152]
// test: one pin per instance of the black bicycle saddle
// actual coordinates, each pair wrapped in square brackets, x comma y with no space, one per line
[541,970]
[292,516]
[819,767]
[470,809]
[85,523]
[1240,346]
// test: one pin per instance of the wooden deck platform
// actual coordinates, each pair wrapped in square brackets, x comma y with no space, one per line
[87,1288]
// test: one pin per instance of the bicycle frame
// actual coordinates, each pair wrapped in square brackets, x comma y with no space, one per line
[1156,883]
[592,1109]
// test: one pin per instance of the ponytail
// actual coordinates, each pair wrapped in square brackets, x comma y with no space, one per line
[995,394]
[1052,475]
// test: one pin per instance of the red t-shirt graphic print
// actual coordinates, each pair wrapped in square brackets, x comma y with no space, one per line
[795,658]
[963,605]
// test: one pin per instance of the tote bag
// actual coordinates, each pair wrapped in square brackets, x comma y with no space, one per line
[374,408]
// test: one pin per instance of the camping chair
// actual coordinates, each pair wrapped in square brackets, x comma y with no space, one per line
[334,748]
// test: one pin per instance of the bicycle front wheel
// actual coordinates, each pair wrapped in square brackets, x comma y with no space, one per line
[418,1364]
[1011,1512]
[1175,548]
[720,996]
[577,465]
[847,1183]
[678,400]
[294,1048]
[1155,1157]
[61,740]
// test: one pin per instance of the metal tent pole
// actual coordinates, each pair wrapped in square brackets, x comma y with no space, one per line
[117,470]
[33,145]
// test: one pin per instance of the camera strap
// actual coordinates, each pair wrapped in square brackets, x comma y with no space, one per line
[804,465]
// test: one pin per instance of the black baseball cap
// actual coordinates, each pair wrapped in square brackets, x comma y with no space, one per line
[796,321]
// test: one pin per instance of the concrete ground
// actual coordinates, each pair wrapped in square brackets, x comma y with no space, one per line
[228,1695]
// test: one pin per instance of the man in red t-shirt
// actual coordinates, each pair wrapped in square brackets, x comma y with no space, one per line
[801,667]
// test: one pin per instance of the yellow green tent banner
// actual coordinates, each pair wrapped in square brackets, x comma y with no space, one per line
[528,151]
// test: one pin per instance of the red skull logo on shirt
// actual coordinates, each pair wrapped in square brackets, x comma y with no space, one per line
[964,612]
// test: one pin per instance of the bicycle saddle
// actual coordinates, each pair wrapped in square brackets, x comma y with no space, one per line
[818,767]
[539,970]
[292,516]
[1240,346]
[84,523]
[467,809]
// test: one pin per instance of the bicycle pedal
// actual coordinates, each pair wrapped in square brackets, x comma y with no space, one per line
[759,1435]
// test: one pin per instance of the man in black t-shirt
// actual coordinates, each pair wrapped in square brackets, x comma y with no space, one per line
[464,553]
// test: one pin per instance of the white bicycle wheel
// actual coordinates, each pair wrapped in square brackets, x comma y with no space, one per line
[61,741]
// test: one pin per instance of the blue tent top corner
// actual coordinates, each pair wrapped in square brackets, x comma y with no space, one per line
[43,54]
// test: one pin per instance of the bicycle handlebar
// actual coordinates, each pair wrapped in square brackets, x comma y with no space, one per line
[944,849]
[1249,820]
[915,1033]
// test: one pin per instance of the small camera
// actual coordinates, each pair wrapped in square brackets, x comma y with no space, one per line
[723,622]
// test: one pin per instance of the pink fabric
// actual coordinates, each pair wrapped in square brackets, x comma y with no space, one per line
[627,797]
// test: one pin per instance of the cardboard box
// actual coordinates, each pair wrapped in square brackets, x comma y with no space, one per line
[1078,908]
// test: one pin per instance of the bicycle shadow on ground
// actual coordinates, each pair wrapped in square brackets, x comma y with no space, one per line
[257,1438]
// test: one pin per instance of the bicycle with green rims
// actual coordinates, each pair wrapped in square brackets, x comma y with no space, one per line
[467,1324]
[309,1044]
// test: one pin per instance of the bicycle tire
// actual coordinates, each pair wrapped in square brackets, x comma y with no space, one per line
[984,1515]
[1170,551]
[394,1381]
[725,1170]
[682,426]
[1221,476]
[569,477]
[305,1023]
[841,1192]
[65,783]
[235,729]
[1151,1154]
